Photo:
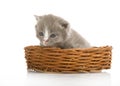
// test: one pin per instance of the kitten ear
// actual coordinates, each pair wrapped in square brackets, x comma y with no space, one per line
[37,17]
[64,25]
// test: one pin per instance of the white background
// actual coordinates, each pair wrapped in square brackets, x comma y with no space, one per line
[97,20]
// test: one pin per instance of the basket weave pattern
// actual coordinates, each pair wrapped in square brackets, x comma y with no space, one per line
[46,59]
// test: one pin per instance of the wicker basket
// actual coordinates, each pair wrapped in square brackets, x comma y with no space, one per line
[49,59]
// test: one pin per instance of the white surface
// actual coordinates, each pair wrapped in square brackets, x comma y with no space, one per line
[97,20]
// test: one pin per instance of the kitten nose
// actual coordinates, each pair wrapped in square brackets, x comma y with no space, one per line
[45,40]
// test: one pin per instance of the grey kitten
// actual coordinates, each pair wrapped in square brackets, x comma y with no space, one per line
[54,31]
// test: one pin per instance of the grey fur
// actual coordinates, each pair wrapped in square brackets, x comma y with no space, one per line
[66,37]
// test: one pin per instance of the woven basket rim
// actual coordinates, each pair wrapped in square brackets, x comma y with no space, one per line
[92,47]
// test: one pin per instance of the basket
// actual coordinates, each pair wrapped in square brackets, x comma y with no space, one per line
[56,60]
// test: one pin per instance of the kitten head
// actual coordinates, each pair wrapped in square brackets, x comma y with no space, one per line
[51,30]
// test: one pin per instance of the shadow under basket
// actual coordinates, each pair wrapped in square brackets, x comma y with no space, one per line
[78,60]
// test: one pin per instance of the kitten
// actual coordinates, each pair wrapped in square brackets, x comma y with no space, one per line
[54,31]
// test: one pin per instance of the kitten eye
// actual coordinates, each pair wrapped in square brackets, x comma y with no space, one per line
[41,34]
[52,35]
